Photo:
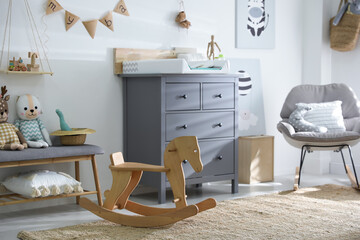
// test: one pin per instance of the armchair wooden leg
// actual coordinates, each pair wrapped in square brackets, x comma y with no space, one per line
[353,178]
[296,182]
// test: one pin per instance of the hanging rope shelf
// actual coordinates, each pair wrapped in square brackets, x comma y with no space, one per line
[17,66]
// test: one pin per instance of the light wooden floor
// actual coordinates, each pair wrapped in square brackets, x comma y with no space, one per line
[71,214]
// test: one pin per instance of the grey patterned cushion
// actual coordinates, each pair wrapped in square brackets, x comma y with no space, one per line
[298,121]
[318,117]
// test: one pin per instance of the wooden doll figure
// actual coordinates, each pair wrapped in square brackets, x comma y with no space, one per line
[211,49]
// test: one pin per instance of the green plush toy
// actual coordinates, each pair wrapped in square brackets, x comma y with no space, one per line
[63,125]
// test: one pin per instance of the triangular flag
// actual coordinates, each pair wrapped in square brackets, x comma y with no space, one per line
[53,6]
[108,21]
[70,20]
[91,27]
[121,8]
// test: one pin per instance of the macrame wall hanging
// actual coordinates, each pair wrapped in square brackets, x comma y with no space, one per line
[181,17]
[90,26]
[18,66]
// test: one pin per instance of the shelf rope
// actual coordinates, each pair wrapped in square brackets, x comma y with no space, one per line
[38,34]
[6,25]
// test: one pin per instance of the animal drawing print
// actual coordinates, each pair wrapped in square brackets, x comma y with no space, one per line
[258,19]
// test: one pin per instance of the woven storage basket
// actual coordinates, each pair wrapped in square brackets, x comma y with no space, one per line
[71,140]
[344,36]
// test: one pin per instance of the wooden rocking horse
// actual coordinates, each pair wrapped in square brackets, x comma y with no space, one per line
[126,176]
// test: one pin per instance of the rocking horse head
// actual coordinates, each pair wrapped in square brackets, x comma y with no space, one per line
[186,149]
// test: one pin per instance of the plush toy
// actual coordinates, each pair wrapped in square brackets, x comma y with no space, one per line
[10,137]
[297,120]
[28,110]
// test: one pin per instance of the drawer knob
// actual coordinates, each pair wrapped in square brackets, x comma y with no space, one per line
[219,95]
[219,125]
[184,96]
[185,161]
[220,157]
[184,126]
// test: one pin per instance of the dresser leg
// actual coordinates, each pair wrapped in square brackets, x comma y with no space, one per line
[234,186]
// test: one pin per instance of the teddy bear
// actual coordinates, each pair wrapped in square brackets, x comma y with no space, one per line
[29,109]
[298,121]
[10,137]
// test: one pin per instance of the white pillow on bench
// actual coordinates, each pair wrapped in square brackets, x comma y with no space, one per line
[42,183]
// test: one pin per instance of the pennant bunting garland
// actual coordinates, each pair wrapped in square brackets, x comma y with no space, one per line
[121,8]
[70,19]
[53,6]
[108,21]
[91,27]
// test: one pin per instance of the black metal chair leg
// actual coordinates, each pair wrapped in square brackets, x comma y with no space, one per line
[302,158]
[352,162]
[343,159]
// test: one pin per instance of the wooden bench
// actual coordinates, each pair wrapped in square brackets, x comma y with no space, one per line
[54,154]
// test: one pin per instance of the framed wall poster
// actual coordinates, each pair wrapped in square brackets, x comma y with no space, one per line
[251,103]
[255,24]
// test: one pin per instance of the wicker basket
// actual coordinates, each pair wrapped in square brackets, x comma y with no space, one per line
[72,140]
[344,36]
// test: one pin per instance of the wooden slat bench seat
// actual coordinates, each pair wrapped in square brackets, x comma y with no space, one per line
[50,155]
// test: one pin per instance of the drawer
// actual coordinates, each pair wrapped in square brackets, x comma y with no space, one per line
[202,125]
[182,96]
[218,95]
[217,158]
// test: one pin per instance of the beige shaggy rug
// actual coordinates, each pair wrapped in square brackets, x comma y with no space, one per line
[328,212]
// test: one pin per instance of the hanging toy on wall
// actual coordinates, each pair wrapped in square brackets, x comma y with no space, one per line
[181,17]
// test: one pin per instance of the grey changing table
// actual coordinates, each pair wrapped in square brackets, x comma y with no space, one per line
[159,108]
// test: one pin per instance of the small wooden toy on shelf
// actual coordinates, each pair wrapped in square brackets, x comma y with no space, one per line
[33,67]
[17,65]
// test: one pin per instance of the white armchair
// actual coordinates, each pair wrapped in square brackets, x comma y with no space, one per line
[310,141]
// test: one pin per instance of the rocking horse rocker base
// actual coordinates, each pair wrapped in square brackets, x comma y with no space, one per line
[127,175]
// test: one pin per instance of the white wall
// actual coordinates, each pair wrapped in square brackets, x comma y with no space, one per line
[88,93]
[344,69]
